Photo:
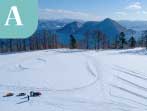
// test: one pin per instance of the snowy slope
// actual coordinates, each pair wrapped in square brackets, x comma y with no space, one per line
[75,80]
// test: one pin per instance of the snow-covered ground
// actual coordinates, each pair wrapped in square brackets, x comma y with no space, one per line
[75,80]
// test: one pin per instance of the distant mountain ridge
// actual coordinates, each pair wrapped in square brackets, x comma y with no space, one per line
[55,24]
[109,27]
[135,25]
[70,28]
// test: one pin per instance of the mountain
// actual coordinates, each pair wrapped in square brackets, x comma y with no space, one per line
[87,26]
[65,32]
[111,28]
[135,25]
[70,28]
[67,20]
[54,24]
[108,27]
[50,24]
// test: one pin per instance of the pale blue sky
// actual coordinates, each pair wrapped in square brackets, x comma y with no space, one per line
[93,9]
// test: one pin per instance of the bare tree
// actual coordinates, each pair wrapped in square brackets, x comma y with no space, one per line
[87,38]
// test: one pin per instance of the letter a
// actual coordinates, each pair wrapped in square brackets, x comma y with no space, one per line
[16,17]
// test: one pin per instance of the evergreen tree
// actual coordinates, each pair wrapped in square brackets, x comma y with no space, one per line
[73,42]
[132,42]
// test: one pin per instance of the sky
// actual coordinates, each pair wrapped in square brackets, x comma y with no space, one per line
[93,10]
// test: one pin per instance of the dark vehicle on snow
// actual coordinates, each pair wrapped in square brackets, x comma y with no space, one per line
[21,94]
[8,94]
[35,94]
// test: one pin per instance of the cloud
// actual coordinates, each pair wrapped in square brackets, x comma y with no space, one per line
[144,12]
[121,13]
[59,14]
[135,6]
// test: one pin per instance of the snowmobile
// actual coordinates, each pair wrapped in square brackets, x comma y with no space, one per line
[34,94]
[8,94]
[21,94]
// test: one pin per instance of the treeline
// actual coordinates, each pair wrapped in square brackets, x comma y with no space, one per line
[122,42]
[38,41]
[44,39]
[98,40]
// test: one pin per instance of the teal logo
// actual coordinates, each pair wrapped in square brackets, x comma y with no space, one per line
[18,18]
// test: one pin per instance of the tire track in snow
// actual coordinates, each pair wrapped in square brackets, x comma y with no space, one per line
[132,83]
[89,69]
[97,63]
[121,105]
[123,98]
[69,106]
[128,91]
[132,73]
[135,75]
[126,69]
[121,109]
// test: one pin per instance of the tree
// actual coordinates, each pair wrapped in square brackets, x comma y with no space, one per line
[145,38]
[87,38]
[132,42]
[116,42]
[73,42]
[122,40]
[10,45]
[98,38]
[45,39]
[142,42]
[54,41]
